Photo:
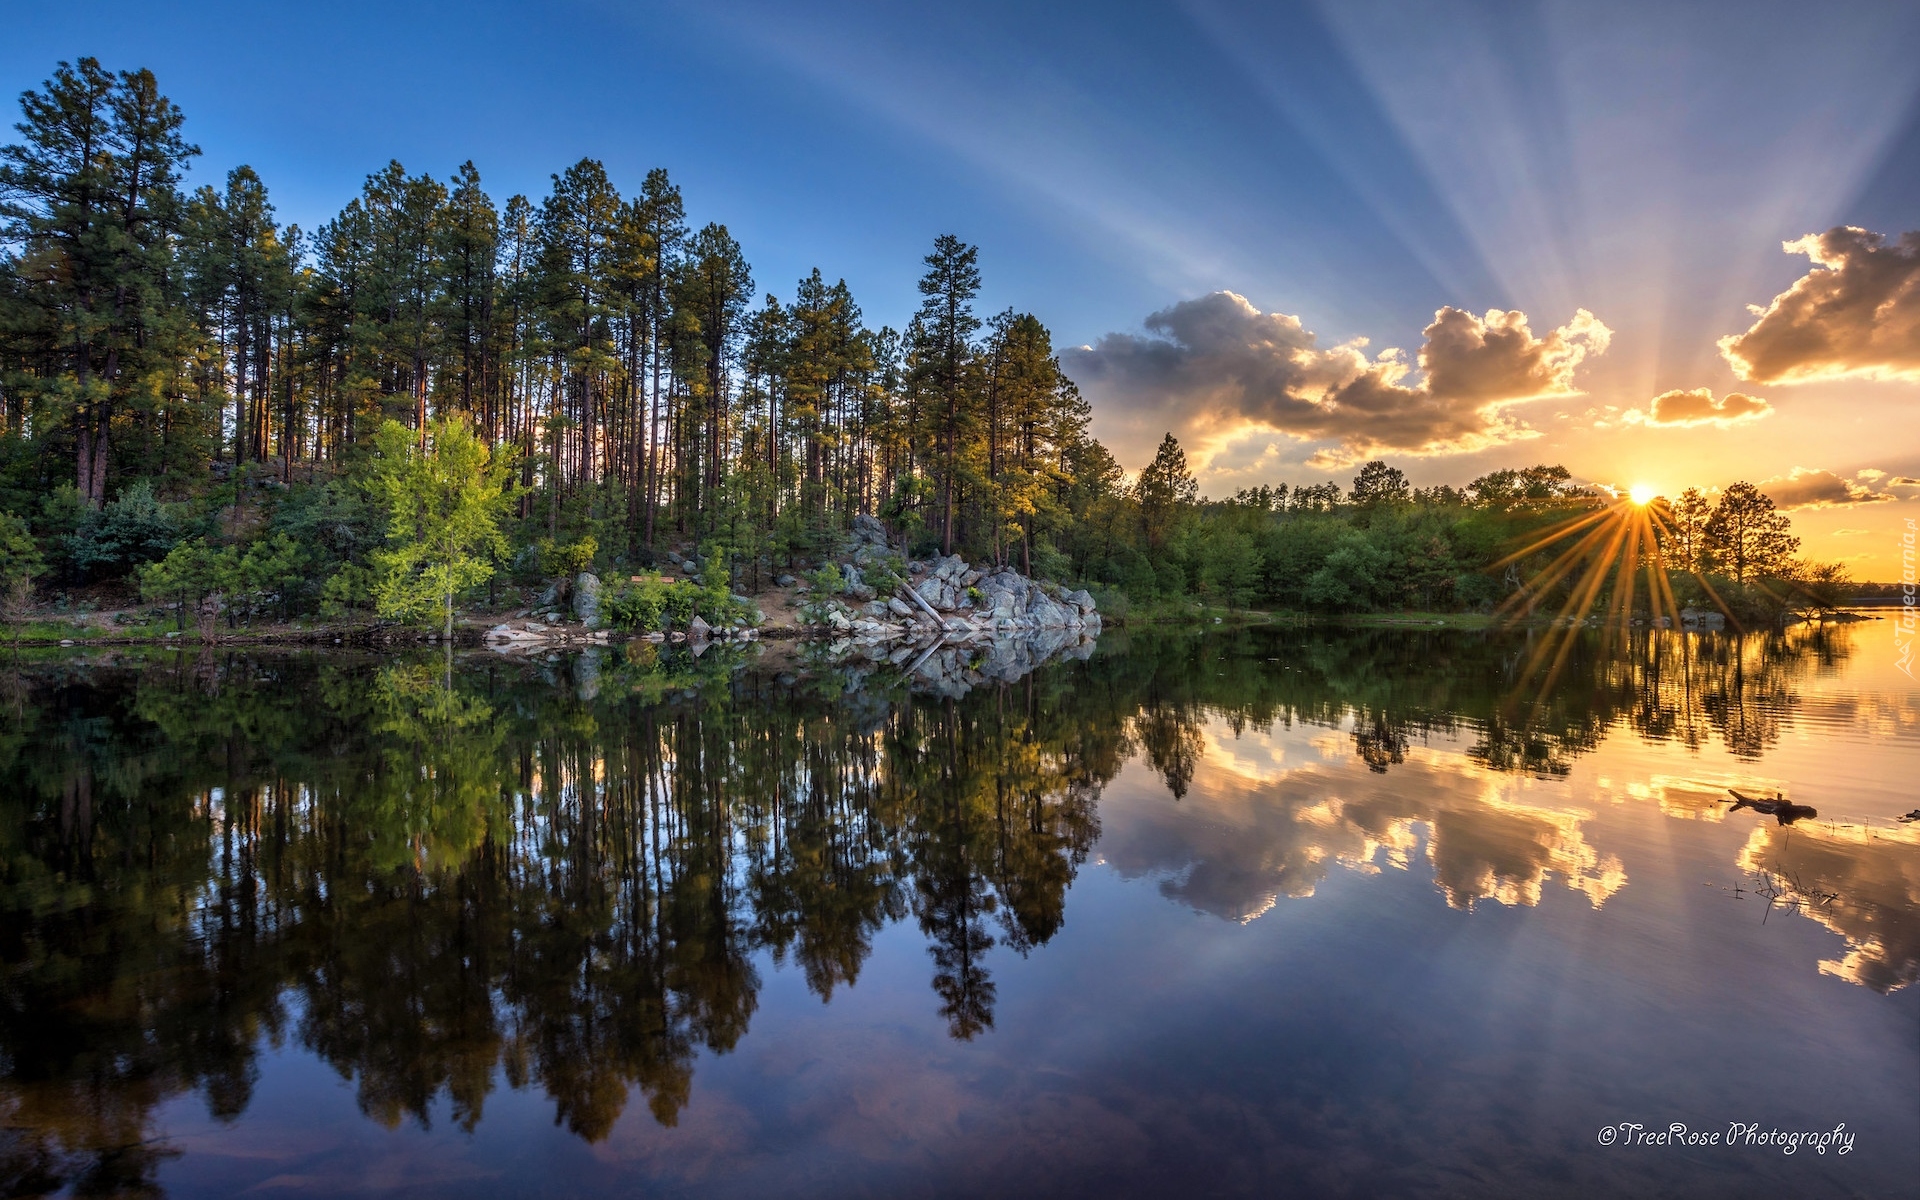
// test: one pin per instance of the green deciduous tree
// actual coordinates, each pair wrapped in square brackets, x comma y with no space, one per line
[444,506]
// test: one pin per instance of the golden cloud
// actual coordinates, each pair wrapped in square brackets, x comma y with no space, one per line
[1698,407]
[1217,363]
[1856,313]
[1807,487]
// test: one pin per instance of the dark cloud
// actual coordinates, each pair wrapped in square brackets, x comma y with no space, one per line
[1217,364]
[1807,487]
[1698,407]
[1856,313]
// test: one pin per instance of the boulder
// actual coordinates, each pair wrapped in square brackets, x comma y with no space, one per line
[698,630]
[868,529]
[856,584]
[899,607]
[1080,599]
[586,599]
[784,581]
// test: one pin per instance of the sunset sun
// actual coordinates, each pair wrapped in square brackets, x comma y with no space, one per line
[1640,493]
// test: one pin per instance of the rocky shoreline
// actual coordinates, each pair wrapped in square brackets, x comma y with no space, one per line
[877,599]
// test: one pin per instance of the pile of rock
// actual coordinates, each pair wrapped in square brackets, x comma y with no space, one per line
[947,596]
[950,666]
[581,600]
[542,634]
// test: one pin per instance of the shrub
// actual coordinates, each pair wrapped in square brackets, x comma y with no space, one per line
[651,605]
[566,559]
[133,530]
[20,562]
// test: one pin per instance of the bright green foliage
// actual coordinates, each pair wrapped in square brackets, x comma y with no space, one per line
[444,506]
[564,560]
[656,605]
[188,574]
[251,581]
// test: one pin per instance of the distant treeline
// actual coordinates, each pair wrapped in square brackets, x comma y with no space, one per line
[178,370]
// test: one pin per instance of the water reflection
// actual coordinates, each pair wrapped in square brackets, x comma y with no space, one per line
[1860,881]
[435,875]
[1258,839]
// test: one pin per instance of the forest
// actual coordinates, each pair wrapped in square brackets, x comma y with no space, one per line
[435,395]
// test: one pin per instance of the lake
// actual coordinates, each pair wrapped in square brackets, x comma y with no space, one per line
[1267,911]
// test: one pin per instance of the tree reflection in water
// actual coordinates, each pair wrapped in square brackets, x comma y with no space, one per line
[434,877]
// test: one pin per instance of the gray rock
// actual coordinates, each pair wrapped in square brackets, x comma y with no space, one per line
[586,675]
[900,608]
[868,529]
[586,599]
[950,567]
[698,630]
[1080,599]
[916,567]
[856,584]
[785,581]
[673,557]
[688,567]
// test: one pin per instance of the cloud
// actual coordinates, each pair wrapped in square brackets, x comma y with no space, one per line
[1698,407]
[1209,367]
[1856,313]
[1807,487]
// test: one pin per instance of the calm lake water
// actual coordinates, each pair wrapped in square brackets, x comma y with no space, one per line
[1268,912]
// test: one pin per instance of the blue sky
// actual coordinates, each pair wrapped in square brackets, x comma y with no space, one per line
[1358,165]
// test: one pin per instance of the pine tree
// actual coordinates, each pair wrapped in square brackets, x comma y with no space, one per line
[1165,487]
[89,200]
[947,326]
[1745,537]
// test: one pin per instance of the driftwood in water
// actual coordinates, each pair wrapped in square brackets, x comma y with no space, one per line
[1779,807]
